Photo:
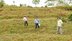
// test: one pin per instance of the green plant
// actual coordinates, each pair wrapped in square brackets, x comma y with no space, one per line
[1,3]
[70,17]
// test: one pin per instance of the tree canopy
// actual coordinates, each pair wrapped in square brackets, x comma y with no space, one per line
[36,1]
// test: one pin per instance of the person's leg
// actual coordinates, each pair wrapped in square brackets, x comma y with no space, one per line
[26,23]
[61,30]
[35,25]
[38,25]
[58,30]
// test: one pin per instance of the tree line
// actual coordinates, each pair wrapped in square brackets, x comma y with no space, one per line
[35,2]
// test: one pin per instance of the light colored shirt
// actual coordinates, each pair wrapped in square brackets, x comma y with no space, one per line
[36,21]
[59,23]
[25,19]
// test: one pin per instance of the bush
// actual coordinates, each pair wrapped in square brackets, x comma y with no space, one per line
[64,20]
[1,3]
[70,17]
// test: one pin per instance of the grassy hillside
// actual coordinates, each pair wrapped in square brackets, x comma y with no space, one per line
[13,29]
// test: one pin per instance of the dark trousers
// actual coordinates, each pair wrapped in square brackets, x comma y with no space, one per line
[25,23]
[36,25]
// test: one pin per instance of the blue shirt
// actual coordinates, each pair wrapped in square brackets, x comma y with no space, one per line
[36,21]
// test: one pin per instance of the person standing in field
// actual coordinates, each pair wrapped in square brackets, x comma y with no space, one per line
[59,26]
[37,22]
[25,21]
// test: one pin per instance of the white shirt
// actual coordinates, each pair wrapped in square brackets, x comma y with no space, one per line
[59,22]
[25,19]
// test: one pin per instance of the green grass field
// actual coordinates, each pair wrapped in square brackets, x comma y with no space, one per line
[13,29]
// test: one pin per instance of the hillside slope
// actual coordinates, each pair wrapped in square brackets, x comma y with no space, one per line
[12,27]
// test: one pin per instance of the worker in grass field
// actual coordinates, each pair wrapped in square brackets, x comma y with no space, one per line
[25,21]
[59,25]
[37,22]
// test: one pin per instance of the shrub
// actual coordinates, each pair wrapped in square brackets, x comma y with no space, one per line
[64,20]
[1,3]
[70,17]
